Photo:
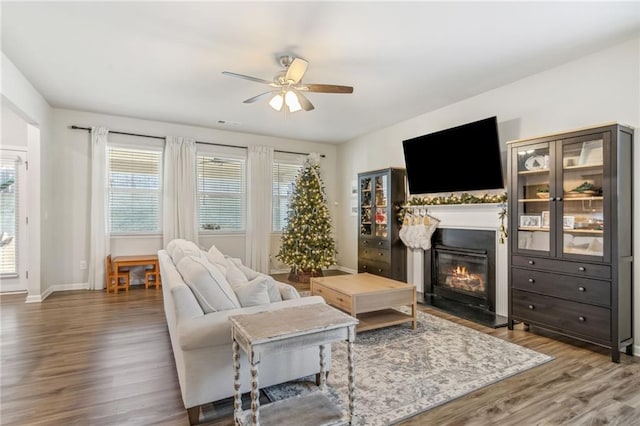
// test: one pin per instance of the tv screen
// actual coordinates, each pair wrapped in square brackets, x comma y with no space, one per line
[462,158]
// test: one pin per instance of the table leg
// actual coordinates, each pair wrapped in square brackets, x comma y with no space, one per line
[352,373]
[323,375]
[255,392]
[237,396]
[414,313]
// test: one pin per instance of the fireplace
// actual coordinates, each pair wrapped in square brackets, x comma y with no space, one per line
[460,274]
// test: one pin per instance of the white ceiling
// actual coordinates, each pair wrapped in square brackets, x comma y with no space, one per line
[164,60]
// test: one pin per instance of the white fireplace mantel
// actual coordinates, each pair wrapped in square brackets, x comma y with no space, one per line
[467,216]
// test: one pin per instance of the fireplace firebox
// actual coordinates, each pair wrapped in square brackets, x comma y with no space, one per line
[460,274]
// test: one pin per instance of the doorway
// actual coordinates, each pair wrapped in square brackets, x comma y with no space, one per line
[13,220]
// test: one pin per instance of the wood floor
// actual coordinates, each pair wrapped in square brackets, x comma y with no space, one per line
[91,358]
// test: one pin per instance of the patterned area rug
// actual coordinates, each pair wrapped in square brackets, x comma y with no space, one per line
[401,372]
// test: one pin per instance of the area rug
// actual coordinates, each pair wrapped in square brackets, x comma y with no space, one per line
[401,372]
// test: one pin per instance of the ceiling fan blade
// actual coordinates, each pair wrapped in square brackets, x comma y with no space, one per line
[260,96]
[326,88]
[296,70]
[246,77]
[304,102]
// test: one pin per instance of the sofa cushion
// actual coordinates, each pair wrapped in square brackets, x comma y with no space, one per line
[252,293]
[180,248]
[208,284]
[248,272]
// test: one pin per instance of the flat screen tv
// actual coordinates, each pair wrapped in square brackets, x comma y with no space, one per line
[462,158]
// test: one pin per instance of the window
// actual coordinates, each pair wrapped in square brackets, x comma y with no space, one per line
[221,192]
[8,216]
[285,170]
[135,190]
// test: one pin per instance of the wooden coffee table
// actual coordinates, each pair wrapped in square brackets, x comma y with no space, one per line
[369,298]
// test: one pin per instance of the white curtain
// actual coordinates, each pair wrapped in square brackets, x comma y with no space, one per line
[100,241]
[179,189]
[259,163]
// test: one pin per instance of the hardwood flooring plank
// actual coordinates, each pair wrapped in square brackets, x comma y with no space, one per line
[92,358]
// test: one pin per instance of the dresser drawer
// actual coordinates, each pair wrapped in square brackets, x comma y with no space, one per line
[573,268]
[376,268]
[578,289]
[563,315]
[333,297]
[375,254]
[374,243]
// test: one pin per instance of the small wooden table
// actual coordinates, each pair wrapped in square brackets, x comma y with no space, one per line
[369,298]
[139,260]
[288,329]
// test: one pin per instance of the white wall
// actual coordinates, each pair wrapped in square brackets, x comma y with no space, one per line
[14,128]
[598,88]
[25,101]
[71,163]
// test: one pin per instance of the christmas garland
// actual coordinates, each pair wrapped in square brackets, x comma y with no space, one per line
[464,198]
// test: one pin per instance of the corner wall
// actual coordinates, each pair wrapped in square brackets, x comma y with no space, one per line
[599,88]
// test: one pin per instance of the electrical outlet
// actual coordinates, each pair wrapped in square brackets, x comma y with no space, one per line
[83,265]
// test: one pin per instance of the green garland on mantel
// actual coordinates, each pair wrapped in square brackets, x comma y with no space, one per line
[464,198]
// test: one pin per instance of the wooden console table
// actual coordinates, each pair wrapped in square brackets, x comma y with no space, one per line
[288,329]
[140,260]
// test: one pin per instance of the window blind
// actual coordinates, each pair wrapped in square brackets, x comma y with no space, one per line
[284,178]
[221,193]
[135,190]
[8,217]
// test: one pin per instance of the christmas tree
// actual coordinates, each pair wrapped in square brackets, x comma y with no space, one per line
[307,245]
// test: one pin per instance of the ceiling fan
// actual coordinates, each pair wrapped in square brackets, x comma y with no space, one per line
[288,86]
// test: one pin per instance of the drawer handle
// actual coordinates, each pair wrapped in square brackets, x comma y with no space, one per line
[380,254]
[531,262]
[380,243]
[366,242]
[582,269]
[379,270]
[364,267]
[581,289]
[531,280]
[366,252]
[583,319]
[532,307]
[340,299]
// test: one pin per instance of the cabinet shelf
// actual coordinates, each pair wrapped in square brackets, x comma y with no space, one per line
[584,231]
[533,228]
[585,167]
[586,198]
[533,172]
[533,200]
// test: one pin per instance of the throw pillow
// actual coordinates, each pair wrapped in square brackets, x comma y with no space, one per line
[288,292]
[250,273]
[253,293]
[272,288]
[179,248]
[208,285]
[234,275]
[219,261]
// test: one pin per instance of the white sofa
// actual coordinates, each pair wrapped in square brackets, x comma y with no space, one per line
[201,341]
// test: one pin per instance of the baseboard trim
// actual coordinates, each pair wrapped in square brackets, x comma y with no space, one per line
[39,298]
[286,271]
[347,270]
[636,350]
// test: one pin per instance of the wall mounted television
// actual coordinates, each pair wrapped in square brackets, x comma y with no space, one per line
[462,158]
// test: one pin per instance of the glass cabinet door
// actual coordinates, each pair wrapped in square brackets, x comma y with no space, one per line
[366,207]
[533,219]
[381,219]
[582,196]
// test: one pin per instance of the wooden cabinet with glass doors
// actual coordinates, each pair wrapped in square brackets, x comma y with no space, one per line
[570,221]
[380,250]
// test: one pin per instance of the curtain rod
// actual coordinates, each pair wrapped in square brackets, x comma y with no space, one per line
[201,142]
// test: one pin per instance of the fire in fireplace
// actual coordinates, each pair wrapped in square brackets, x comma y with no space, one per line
[460,274]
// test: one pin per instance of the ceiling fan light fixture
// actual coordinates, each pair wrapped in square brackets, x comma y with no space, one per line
[276,102]
[292,101]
